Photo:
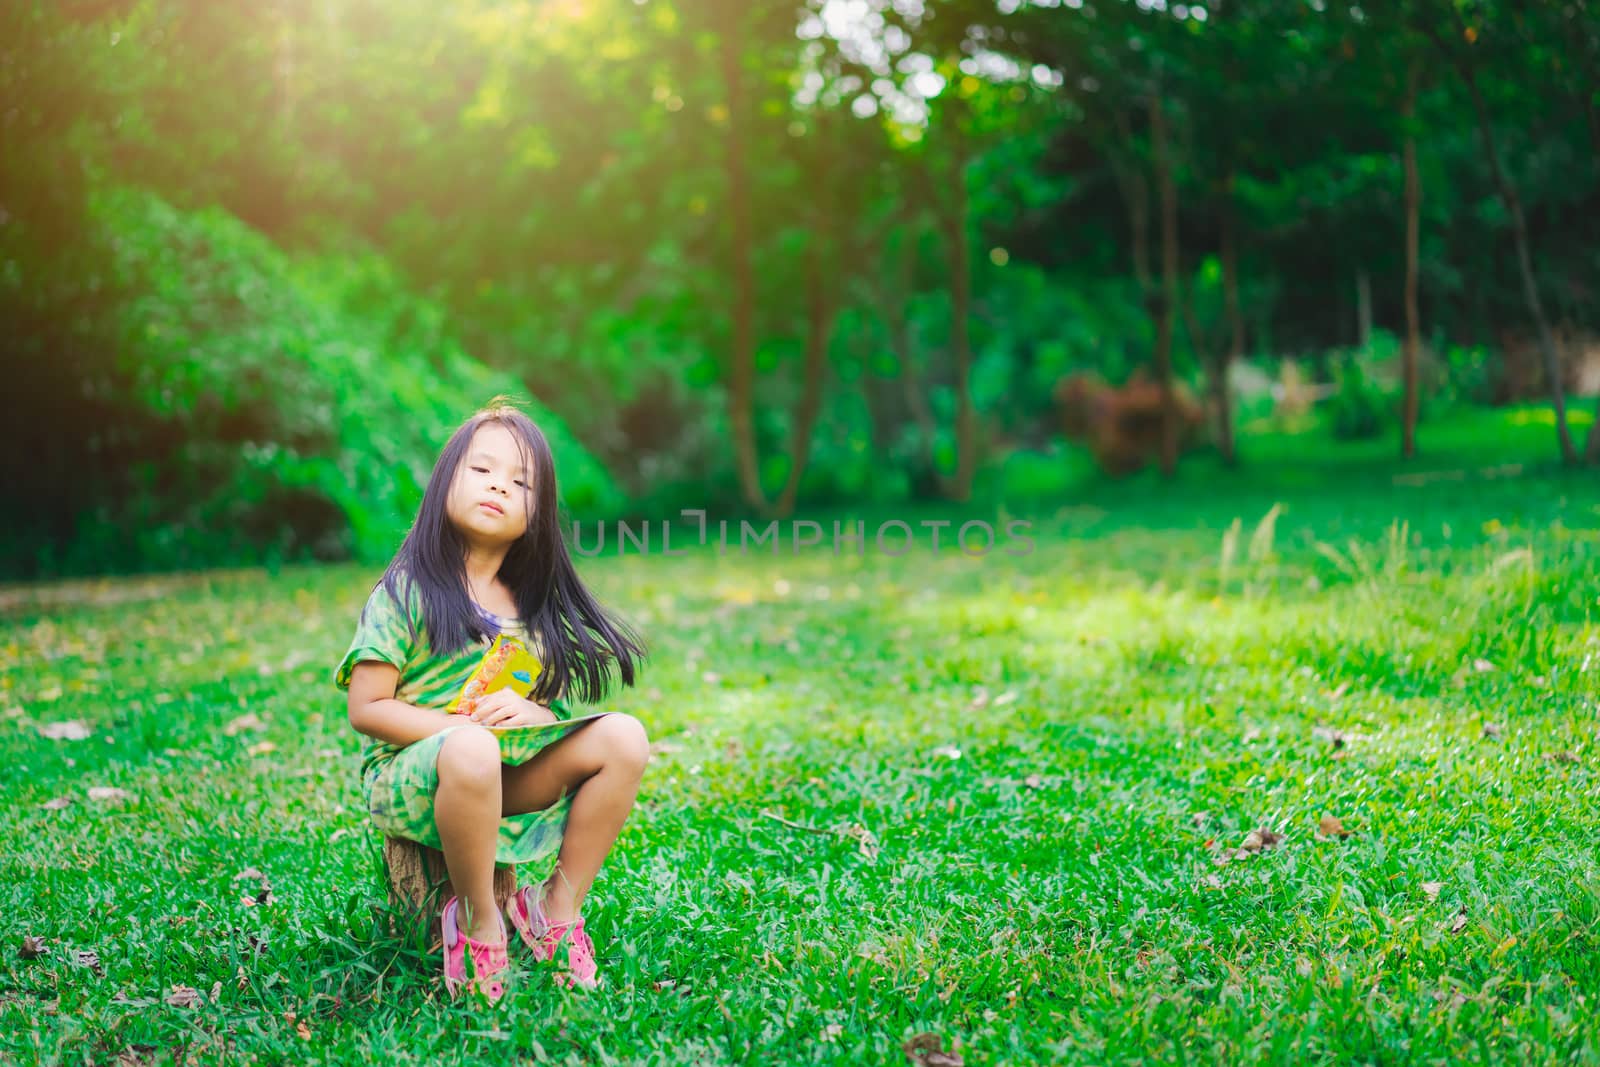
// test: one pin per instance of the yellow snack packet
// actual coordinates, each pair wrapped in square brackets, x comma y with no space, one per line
[506,665]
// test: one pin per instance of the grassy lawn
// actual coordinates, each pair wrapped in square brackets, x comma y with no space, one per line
[1006,800]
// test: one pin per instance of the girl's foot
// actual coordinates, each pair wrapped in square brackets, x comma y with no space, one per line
[526,911]
[486,960]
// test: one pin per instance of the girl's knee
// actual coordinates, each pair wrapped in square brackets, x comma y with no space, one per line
[470,754]
[626,739]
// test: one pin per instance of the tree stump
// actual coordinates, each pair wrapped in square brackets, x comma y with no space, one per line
[419,883]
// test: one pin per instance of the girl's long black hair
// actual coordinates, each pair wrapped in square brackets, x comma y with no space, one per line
[577,642]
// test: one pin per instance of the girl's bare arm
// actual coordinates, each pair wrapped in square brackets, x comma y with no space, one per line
[374,711]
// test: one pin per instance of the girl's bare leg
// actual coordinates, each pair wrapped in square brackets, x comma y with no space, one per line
[466,809]
[600,764]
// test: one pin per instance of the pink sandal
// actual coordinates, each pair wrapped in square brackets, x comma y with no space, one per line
[488,958]
[543,938]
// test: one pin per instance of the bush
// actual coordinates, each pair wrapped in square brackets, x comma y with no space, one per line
[289,409]
[1358,409]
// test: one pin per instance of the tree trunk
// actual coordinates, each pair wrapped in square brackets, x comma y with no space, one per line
[276,201]
[1591,447]
[742,359]
[954,218]
[1411,352]
[419,883]
[1137,194]
[1530,293]
[1235,350]
[1169,284]
[1519,233]
[1139,225]
[819,328]
[1363,308]
[880,418]
[899,324]
[284,69]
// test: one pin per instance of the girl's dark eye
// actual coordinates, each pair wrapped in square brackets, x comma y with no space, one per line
[522,483]
[481,470]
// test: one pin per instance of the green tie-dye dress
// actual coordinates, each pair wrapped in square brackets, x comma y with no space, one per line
[399,781]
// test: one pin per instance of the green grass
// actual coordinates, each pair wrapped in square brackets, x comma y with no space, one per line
[1015,775]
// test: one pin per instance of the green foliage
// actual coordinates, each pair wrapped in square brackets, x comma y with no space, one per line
[1469,374]
[1357,409]
[1367,383]
[1035,331]
[301,404]
[554,196]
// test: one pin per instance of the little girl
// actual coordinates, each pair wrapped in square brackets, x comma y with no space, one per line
[485,559]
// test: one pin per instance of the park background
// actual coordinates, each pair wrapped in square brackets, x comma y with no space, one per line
[1276,320]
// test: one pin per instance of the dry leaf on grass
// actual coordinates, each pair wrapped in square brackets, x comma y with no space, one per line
[261,748]
[261,899]
[71,730]
[91,960]
[32,947]
[1330,826]
[249,872]
[866,843]
[57,803]
[1335,738]
[184,996]
[216,992]
[1255,841]
[1033,781]
[1459,923]
[108,794]
[1431,889]
[1482,666]
[251,721]
[1561,757]
[1493,729]
[927,1050]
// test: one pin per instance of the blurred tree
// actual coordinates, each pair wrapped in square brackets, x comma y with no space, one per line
[1455,38]
[679,222]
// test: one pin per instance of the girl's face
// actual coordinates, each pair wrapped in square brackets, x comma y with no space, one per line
[489,498]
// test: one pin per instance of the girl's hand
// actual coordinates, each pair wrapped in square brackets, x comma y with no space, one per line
[504,708]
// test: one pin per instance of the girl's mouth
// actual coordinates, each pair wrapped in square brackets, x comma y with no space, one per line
[494,509]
